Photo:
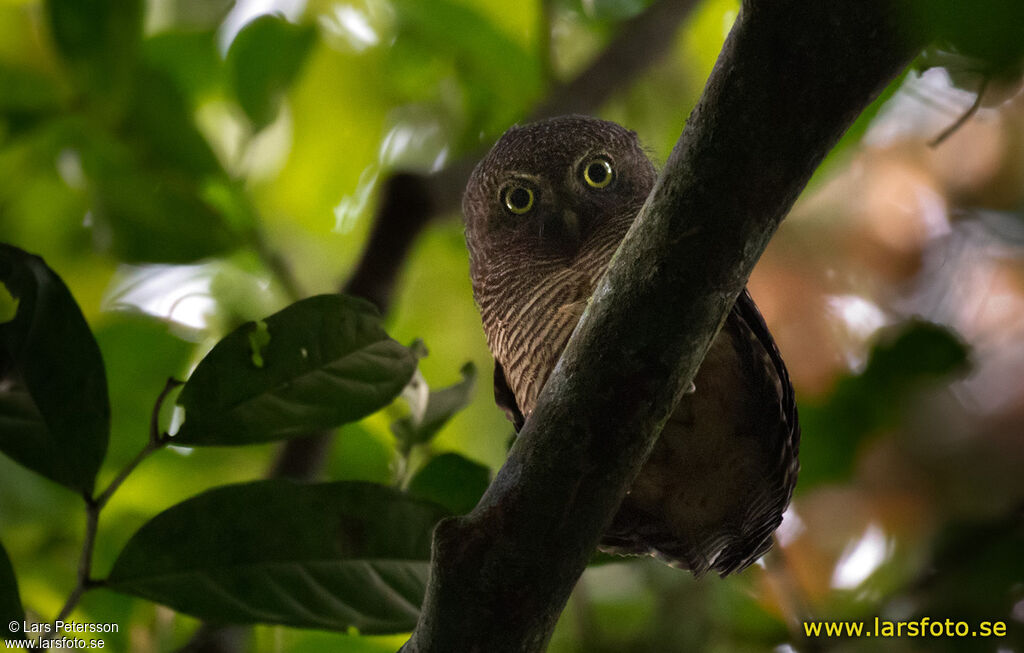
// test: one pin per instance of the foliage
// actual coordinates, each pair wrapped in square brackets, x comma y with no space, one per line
[183,186]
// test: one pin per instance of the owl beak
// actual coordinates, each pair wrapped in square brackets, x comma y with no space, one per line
[571,228]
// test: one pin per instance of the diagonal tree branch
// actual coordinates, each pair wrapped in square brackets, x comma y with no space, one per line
[792,77]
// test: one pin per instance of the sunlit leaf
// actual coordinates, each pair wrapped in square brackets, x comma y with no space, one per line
[452,481]
[441,405]
[54,410]
[904,361]
[11,612]
[332,555]
[262,62]
[326,361]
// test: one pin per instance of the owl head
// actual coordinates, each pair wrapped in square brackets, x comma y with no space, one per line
[551,191]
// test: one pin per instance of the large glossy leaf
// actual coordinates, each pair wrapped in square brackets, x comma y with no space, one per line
[54,410]
[426,420]
[11,612]
[262,62]
[452,481]
[332,555]
[319,363]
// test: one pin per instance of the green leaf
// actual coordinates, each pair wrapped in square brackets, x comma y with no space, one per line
[189,57]
[328,361]
[986,30]
[452,481]
[26,91]
[904,360]
[427,420]
[99,41]
[11,611]
[331,555]
[54,410]
[146,216]
[263,60]
[160,126]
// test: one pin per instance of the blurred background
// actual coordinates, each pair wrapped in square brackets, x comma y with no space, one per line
[187,165]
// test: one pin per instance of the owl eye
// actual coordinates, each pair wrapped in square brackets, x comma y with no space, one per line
[518,199]
[598,173]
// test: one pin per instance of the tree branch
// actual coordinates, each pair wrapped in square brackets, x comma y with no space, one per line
[792,77]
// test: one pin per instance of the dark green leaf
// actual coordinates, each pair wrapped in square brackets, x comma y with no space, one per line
[160,127]
[11,611]
[905,360]
[54,410]
[99,41]
[144,216]
[986,30]
[26,91]
[328,361]
[156,187]
[190,58]
[263,60]
[452,481]
[427,421]
[331,555]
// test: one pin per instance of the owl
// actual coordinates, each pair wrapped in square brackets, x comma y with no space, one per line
[545,210]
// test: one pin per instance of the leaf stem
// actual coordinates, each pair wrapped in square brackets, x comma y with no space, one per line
[93,505]
[962,120]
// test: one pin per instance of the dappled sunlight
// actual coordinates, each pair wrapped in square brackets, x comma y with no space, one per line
[861,558]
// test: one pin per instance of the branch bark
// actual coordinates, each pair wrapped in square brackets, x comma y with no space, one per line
[792,77]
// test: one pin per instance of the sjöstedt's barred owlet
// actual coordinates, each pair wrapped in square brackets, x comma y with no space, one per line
[545,210]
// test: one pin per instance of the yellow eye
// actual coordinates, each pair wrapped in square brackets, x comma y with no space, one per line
[518,199]
[597,173]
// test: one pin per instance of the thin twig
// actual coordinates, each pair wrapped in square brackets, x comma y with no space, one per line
[952,129]
[93,505]
[92,517]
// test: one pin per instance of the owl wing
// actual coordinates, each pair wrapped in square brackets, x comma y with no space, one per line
[720,476]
